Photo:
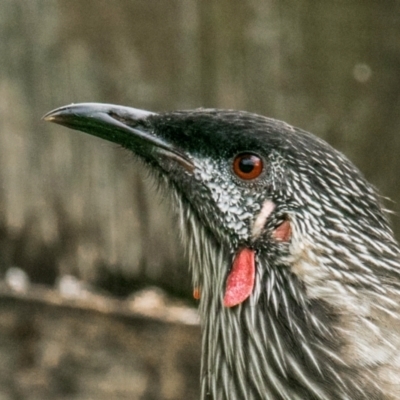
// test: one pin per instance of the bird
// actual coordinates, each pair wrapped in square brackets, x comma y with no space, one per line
[290,248]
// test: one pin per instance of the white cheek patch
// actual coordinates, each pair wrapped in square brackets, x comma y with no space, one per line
[262,217]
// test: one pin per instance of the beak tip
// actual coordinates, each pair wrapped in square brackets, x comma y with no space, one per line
[48,118]
[55,115]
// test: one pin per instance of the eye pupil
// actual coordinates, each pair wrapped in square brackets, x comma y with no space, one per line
[247,166]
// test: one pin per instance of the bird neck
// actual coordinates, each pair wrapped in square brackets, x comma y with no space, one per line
[258,349]
[275,345]
[279,344]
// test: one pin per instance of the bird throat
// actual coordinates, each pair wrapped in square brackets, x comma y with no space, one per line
[241,279]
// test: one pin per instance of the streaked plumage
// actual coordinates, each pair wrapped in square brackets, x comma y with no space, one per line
[322,320]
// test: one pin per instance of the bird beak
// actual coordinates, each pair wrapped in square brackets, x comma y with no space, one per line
[122,125]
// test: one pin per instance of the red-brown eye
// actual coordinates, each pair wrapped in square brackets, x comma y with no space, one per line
[247,166]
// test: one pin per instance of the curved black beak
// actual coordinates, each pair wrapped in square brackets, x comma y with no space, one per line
[122,125]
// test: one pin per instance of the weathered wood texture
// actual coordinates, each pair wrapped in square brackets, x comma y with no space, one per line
[72,203]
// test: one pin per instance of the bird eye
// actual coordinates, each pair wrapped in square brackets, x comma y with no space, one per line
[247,166]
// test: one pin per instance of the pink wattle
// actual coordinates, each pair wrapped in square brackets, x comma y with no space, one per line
[240,282]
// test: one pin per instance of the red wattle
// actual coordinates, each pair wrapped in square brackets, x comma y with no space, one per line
[240,282]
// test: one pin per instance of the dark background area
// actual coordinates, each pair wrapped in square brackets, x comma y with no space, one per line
[75,205]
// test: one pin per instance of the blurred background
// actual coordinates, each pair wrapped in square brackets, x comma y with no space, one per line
[83,233]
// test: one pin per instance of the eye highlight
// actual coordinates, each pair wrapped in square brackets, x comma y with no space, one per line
[247,166]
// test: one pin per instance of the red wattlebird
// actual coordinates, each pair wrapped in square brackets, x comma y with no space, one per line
[297,265]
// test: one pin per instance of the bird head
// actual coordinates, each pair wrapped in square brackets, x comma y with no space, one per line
[289,244]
